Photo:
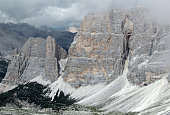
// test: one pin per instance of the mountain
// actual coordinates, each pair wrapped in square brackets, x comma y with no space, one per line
[104,42]
[118,63]
[15,35]
[38,60]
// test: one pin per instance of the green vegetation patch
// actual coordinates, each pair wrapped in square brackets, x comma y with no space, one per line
[3,69]
[34,93]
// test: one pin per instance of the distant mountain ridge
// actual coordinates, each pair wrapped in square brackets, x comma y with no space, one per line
[15,35]
[117,63]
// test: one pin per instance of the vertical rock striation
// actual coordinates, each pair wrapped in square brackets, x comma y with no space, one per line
[104,41]
[97,50]
[145,45]
[38,57]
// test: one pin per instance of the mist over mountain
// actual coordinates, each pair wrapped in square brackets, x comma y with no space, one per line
[85,57]
[15,35]
[63,13]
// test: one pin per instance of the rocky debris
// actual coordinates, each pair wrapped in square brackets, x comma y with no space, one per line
[38,57]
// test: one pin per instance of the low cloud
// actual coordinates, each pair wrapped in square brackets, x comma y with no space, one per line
[70,12]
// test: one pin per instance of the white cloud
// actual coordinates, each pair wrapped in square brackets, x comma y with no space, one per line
[51,12]
[5,18]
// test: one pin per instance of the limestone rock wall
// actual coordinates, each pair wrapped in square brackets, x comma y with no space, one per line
[104,41]
[97,50]
[146,45]
[38,57]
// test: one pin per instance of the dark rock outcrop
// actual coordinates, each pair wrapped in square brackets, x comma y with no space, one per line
[3,67]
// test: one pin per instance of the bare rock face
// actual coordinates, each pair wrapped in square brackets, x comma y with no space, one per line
[97,50]
[148,55]
[3,67]
[38,57]
[104,42]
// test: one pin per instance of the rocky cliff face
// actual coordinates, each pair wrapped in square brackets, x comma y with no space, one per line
[104,41]
[111,52]
[14,36]
[148,49]
[38,59]
[97,51]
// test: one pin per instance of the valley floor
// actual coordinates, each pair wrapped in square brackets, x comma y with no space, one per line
[71,111]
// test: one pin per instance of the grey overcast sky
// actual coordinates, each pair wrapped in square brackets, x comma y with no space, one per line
[67,12]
